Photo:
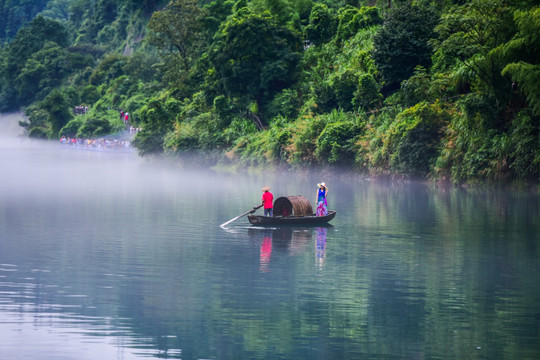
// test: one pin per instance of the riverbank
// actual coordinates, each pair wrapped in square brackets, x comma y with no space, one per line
[354,175]
[10,129]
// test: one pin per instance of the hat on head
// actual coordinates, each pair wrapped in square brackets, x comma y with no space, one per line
[265,188]
[321,185]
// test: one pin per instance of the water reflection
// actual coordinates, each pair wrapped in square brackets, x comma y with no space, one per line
[109,257]
[266,252]
[288,240]
[320,245]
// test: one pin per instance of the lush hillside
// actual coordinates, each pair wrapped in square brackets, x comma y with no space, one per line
[15,14]
[447,90]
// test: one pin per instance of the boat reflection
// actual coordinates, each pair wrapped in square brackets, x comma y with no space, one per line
[266,253]
[291,240]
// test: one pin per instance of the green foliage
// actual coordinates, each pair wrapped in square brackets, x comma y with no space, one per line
[38,133]
[326,100]
[215,13]
[34,61]
[401,43]
[238,128]
[282,11]
[479,108]
[332,76]
[110,68]
[200,133]
[409,144]
[285,104]
[240,4]
[344,86]
[468,38]
[255,57]
[94,128]
[15,14]
[177,32]
[89,94]
[524,148]
[335,144]
[59,109]
[367,95]
[156,119]
[192,78]
[72,128]
[143,67]
[322,24]
[351,20]
[268,147]
[224,109]
[416,88]
[45,70]
[523,52]
[51,114]
[37,125]
[472,153]
[526,75]
[309,146]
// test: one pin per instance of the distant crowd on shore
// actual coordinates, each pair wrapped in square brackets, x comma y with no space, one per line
[96,144]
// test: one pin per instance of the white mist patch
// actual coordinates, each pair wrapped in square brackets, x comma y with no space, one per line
[42,169]
[9,126]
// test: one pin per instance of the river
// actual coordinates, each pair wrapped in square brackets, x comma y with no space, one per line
[106,255]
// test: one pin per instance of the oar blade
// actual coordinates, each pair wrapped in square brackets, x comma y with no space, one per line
[239,216]
[230,221]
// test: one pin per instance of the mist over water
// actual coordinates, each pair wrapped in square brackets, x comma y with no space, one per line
[34,169]
[107,255]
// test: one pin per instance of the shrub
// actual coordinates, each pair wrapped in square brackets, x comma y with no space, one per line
[93,128]
[409,144]
[336,142]
[267,147]
[524,147]
[304,139]
[156,118]
[72,128]
[38,133]
[367,95]
[90,94]
[286,104]
[322,24]
[402,43]
[351,20]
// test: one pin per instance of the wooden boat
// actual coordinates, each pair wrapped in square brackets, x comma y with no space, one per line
[292,210]
[291,220]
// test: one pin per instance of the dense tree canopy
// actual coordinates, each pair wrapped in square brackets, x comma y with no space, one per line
[447,90]
[254,56]
[402,43]
[15,14]
[27,59]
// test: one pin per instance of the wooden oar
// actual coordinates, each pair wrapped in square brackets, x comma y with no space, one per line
[239,216]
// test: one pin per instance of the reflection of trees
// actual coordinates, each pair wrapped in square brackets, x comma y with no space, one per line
[454,264]
[403,283]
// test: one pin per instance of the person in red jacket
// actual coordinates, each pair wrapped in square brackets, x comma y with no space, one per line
[267,200]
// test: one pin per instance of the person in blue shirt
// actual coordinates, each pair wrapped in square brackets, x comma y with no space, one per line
[322,205]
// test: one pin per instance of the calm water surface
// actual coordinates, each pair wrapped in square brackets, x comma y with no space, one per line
[109,256]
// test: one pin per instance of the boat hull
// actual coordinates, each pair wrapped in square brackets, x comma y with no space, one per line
[291,220]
